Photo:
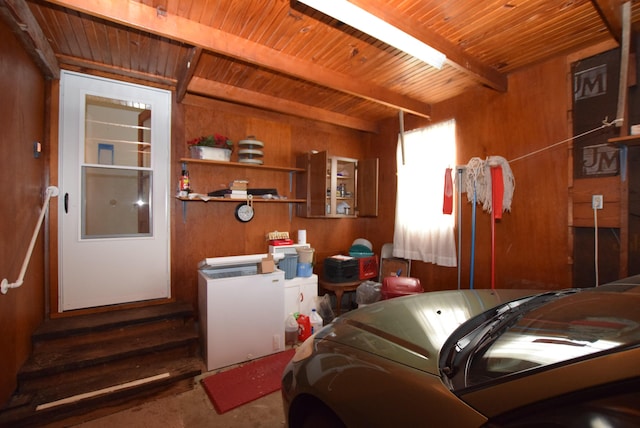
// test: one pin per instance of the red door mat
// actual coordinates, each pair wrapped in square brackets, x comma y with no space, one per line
[232,388]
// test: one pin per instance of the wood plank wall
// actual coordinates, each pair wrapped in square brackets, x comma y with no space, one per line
[210,229]
[23,183]
[532,241]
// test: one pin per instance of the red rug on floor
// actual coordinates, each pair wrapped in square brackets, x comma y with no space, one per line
[232,388]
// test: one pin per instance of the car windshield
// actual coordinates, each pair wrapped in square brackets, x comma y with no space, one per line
[537,331]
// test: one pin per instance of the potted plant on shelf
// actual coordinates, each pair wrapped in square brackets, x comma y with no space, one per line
[211,147]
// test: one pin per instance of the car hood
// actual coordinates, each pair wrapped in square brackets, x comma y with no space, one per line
[411,330]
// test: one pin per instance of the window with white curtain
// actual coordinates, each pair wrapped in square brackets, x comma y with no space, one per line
[422,231]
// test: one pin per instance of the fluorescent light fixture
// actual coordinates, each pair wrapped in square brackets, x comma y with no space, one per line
[364,21]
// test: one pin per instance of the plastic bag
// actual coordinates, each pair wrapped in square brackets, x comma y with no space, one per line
[323,305]
[368,292]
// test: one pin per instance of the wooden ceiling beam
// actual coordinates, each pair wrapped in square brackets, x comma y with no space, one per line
[456,56]
[209,88]
[81,65]
[186,74]
[22,22]
[610,11]
[146,18]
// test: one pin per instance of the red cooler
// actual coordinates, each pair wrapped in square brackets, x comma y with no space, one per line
[397,286]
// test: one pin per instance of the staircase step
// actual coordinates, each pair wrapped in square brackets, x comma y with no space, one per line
[59,357]
[59,401]
[88,366]
[91,323]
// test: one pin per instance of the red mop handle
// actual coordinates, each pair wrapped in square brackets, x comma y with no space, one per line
[497,193]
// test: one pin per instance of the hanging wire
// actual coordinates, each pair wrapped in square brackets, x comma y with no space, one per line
[605,124]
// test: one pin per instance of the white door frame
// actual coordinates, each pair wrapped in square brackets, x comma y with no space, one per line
[113,270]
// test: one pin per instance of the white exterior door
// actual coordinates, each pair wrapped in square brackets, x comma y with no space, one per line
[114,165]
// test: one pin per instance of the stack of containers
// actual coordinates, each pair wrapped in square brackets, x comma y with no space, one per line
[305,261]
[367,261]
[250,151]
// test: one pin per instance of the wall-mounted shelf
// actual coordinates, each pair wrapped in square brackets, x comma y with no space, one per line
[630,140]
[237,201]
[242,165]
[228,164]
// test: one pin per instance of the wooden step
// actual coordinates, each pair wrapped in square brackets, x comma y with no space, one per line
[47,365]
[69,355]
[89,365]
[63,401]
[28,386]
[91,323]
[147,328]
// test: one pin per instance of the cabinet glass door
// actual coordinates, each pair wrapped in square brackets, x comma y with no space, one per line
[337,186]
[343,186]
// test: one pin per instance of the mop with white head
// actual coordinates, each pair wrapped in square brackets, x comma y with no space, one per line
[476,181]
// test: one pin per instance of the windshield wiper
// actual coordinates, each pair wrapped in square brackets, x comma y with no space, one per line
[473,336]
[500,319]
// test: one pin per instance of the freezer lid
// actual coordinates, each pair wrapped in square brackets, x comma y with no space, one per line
[213,263]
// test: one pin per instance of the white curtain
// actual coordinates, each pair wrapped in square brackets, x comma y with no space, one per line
[422,231]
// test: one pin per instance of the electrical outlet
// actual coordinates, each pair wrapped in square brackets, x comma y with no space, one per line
[597,202]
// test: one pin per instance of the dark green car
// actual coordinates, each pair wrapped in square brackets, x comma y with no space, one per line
[474,358]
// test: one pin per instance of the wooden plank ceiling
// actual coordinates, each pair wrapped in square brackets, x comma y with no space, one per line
[282,56]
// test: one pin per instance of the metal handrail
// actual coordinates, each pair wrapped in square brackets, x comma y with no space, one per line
[5,285]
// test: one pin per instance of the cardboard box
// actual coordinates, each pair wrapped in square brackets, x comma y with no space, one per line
[267,265]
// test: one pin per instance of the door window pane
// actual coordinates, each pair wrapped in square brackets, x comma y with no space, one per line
[116,173]
[117,132]
[116,202]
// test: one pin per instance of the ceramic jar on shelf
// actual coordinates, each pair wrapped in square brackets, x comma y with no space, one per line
[250,151]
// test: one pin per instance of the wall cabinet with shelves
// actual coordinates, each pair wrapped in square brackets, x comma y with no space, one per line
[336,187]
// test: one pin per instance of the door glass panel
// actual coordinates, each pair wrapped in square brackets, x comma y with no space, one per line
[116,172]
[116,202]
[117,132]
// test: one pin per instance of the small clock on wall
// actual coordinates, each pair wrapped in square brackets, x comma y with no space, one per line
[244,211]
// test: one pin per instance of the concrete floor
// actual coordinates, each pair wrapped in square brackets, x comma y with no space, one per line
[193,409]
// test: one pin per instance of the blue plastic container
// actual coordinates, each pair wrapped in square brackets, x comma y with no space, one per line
[305,269]
[288,264]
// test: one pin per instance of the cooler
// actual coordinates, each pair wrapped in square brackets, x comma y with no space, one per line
[397,286]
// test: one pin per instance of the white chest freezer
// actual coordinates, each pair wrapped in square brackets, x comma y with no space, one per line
[240,310]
